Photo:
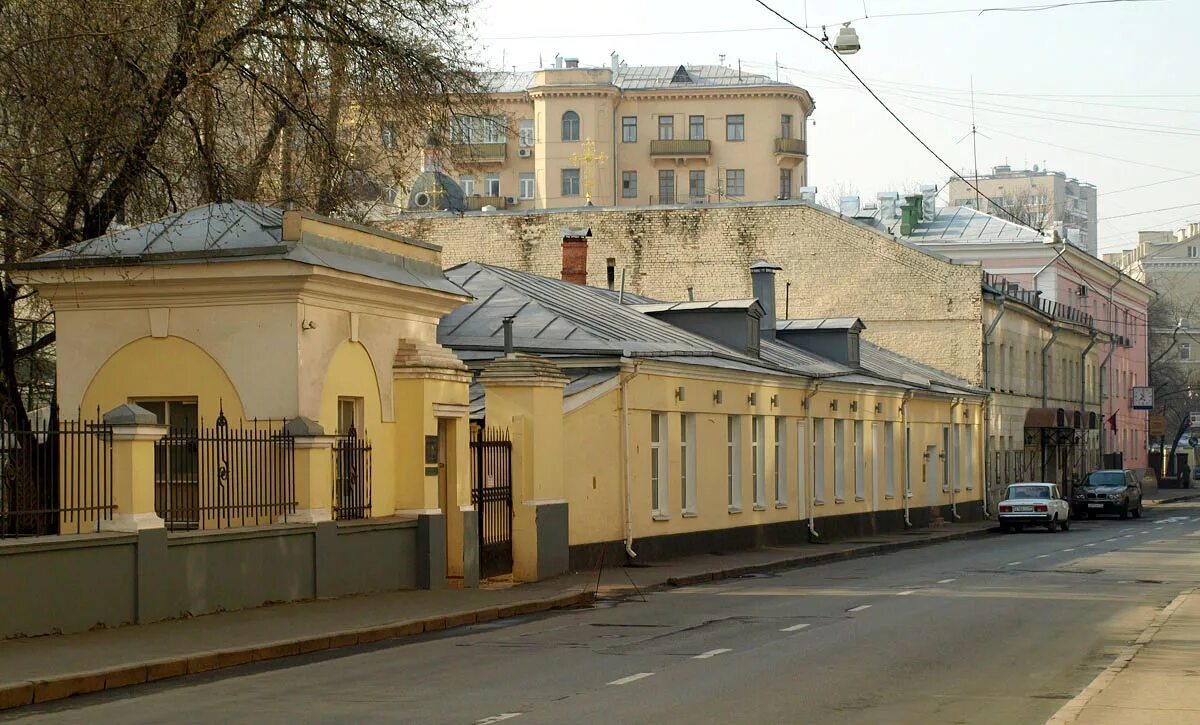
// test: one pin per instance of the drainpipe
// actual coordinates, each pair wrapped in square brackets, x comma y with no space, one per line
[1112,346]
[1062,250]
[1045,384]
[987,386]
[1083,382]
[812,508]
[625,472]
[907,455]
[954,403]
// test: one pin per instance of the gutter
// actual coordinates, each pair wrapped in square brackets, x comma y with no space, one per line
[1112,346]
[812,508]
[907,456]
[987,417]
[1046,354]
[625,472]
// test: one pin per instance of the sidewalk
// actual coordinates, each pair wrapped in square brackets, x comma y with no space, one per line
[40,669]
[1151,682]
[1155,495]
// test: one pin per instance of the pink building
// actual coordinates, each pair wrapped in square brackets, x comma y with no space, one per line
[1064,275]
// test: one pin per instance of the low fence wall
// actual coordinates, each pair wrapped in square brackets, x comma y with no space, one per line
[76,583]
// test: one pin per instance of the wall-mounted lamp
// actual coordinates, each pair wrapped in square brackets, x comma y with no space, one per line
[878,408]
[775,401]
[717,397]
[833,405]
[680,393]
[753,398]
[853,406]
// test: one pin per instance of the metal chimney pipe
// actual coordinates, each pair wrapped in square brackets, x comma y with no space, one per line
[762,279]
[508,335]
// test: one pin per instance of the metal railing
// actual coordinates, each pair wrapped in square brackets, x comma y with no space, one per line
[1034,299]
[468,152]
[55,480]
[791,146]
[222,477]
[680,147]
[351,477]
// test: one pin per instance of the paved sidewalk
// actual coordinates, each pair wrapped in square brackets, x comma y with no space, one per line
[39,669]
[1167,495]
[1153,681]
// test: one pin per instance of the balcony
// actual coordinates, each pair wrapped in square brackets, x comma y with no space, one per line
[791,147]
[480,153]
[477,202]
[681,148]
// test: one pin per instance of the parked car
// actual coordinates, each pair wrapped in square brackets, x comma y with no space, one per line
[1108,492]
[1034,504]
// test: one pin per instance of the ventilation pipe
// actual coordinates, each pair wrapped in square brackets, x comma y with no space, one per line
[762,278]
[574,254]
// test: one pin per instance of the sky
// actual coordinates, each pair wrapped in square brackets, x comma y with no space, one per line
[1106,93]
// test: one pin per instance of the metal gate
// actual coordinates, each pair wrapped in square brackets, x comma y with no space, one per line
[491,494]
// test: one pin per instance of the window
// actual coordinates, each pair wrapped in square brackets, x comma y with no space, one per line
[735,128]
[1185,351]
[570,182]
[696,184]
[570,126]
[666,128]
[494,130]
[860,483]
[889,460]
[349,412]
[1192,252]
[467,183]
[733,461]
[819,460]
[801,470]
[956,458]
[785,183]
[945,456]
[970,431]
[525,134]
[687,462]
[758,461]
[178,415]
[785,126]
[696,128]
[781,461]
[666,187]
[629,129]
[629,184]
[658,464]
[491,184]
[908,461]
[839,460]
[735,182]
[177,496]
[528,185]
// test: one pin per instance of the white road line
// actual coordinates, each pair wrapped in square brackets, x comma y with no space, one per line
[1143,532]
[497,718]
[1112,539]
[906,592]
[1013,563]
[632,678]
[1127,536]
[1158,528]
[859,608]
[794,628]
[711,653]
[1070,549]
[945,581]
[1042,556]
[1089,544]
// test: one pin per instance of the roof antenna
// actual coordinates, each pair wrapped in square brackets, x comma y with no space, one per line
[621,296]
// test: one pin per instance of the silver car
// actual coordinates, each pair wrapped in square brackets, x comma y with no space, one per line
[1034,504]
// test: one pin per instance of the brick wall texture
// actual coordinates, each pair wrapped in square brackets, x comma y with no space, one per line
[911,302]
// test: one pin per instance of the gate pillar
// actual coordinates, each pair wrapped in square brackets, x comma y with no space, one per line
[524,393]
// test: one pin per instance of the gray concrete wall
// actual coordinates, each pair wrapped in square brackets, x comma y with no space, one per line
[72,584]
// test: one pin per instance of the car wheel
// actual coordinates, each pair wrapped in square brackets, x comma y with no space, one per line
[1125,512]
[1053,525]
[1065,524]
[1137,512]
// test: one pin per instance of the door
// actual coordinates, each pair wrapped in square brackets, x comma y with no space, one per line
[491,493]
[932,466]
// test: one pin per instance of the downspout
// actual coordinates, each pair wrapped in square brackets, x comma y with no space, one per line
[1083,382]
[954,403]
[1045,384]
[907,455]
[1112,346]
[625,472]
[987,386]
[812,508]
[1061,251]
[615,162]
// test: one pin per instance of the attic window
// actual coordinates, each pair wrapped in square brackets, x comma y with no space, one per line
[681,76]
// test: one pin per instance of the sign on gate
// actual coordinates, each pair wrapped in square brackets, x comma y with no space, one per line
[1194,419]
[1143,398]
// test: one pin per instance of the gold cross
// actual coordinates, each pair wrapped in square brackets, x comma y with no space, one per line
[584,161]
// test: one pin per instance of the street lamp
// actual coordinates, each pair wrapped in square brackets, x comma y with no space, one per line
[847,41]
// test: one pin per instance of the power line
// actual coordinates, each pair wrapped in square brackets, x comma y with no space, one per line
[1149,211]
[825,44]
[981,11]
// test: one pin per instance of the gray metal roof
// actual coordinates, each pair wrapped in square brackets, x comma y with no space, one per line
[828,323]
[240,231]
[646,77]
[883,362]
[966,225]
[653,307]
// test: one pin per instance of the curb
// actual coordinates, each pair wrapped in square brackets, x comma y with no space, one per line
[815,559]
[1160,502]
[30,692]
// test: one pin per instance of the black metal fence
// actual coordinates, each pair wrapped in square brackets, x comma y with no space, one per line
[56,480]
[491,494]
[351,477]
[223,477]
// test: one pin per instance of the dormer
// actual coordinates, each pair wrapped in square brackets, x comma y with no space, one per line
[834,338]
[732,323]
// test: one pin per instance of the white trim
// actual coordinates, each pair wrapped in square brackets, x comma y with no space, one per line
[416,512]
[451,410]
[583,397]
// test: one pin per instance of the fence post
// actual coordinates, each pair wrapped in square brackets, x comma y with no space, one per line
[134,433]
[314,470]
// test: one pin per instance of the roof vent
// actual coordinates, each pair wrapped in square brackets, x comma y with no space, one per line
[834,338]
[681,76]
[571,62]
[848,205]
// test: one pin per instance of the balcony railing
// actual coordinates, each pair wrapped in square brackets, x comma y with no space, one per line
[792,146]
[480,152]
[1034,299]
[681,147]
[475,203]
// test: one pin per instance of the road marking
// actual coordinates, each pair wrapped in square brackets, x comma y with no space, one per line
[1127,536]
[1112,539]
[1071,549]
[945,581]
[632,678]
[497,718]
[1158,528]
[1143,532]
[859,608]
[711,653]
[794,628]
[1013,563]
[1042,556]
[1089,544]
[906,592]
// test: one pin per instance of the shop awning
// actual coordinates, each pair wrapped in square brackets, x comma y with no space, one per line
[1046,418]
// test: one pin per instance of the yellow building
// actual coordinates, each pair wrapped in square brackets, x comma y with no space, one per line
[630,135]
[693,425]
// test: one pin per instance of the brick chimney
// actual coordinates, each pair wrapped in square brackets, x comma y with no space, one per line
[574,254]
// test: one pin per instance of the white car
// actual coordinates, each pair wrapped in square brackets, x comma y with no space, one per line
[1034,504]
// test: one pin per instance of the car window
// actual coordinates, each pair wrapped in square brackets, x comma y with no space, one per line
[1104,478]
[1026,491]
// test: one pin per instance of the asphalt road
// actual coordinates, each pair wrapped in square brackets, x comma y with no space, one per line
[1001,629]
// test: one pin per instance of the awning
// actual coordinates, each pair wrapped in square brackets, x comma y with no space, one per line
[1046,418]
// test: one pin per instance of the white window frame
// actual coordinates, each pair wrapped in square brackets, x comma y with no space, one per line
[491,183]
[575,186]
[876,462]
[970,433]
[735,190]
[525,134]
[839,460]
[818,460]
[781,462]
[860,483]
[733,458]
[687,461]
[802,444]
[889,460]
[468,185]
[956,462]
[659,473]
[758,429]
[528,182]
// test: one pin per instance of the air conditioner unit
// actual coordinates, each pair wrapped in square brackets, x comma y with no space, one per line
[524,153]
[510,200]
